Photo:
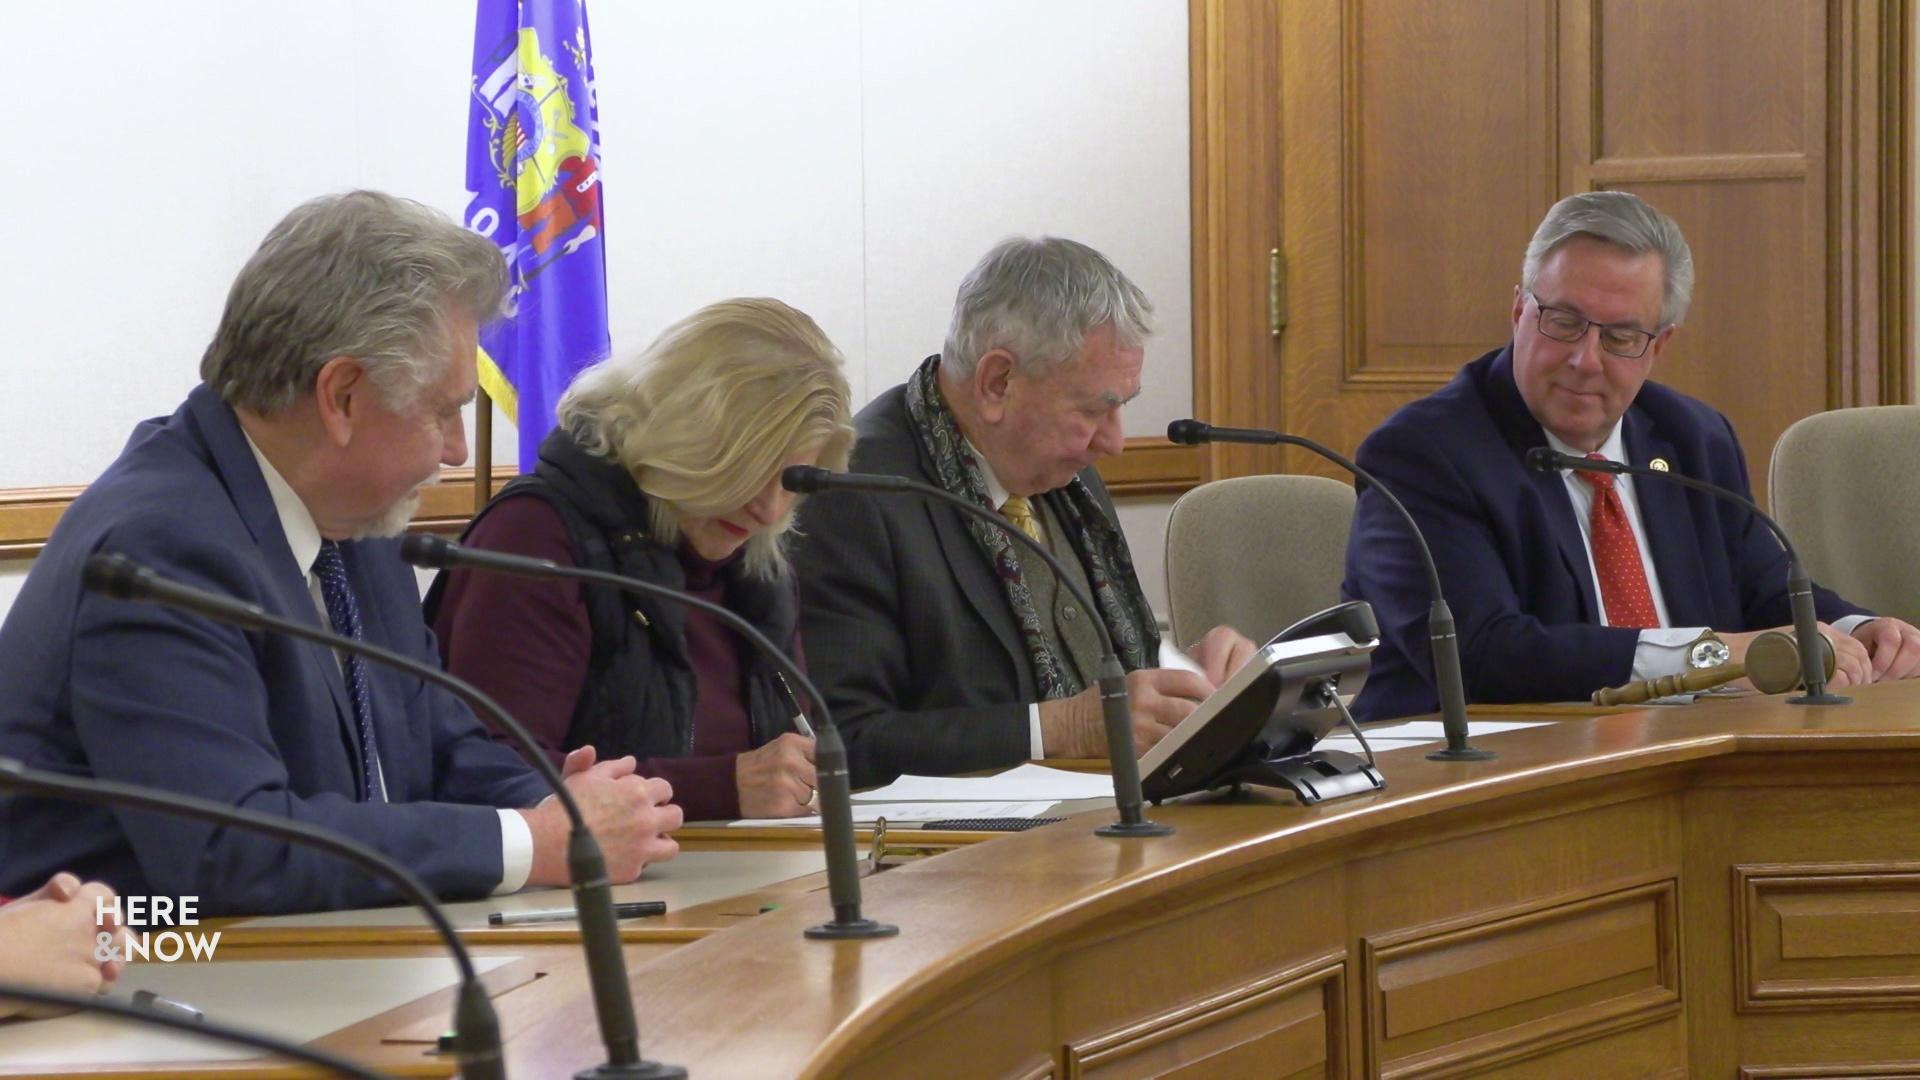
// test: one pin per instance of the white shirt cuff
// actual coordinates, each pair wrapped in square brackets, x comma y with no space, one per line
[516,852]
[1036,746]
[1662,651]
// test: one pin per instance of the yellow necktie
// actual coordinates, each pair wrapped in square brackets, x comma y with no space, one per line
[1019,512]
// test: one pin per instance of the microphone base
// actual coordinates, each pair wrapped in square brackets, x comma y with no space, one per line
[639,1070]
[1465,753]
[851,930]
[1134,829]
[1822,698]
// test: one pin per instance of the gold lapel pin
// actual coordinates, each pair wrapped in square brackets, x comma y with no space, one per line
[1659,464]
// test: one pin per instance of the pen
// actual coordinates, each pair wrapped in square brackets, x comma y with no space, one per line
[147,999]
[636,909]
[799,714]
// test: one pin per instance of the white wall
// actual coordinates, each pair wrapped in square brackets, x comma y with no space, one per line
[852,157]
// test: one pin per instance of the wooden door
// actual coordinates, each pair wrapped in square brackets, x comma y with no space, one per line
[1398,154]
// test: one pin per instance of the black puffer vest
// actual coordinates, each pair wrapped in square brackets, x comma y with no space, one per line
[638,697]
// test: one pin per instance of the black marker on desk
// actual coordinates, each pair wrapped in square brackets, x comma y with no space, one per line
[637,909]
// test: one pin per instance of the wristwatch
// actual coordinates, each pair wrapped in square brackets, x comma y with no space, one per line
[1707,652]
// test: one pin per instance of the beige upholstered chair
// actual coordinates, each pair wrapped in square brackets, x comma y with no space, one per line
[1256,553]
[1846,486]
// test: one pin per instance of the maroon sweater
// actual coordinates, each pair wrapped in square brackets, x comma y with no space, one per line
[526,642]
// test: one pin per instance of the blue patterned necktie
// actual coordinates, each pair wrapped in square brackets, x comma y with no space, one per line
[345,615]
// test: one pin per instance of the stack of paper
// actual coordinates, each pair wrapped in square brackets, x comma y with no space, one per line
[1027,782]
[1027,791]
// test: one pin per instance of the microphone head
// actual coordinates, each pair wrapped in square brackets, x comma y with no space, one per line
[1543,459]
[425,549]
[1188,432]
[112,575]
[804,479]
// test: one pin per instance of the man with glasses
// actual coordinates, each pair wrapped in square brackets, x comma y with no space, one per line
[1565,583]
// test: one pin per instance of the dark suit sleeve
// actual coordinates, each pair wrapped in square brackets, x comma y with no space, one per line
[1505,653]
[180,703]
[872,615]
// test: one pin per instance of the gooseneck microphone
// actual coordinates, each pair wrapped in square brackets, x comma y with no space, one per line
[1116,717]
[36,995]
[121,577]
[830,752]
[1806,626]
[476,1028]
[1440,629]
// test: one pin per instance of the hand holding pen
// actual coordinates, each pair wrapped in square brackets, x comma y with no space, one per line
[777,780]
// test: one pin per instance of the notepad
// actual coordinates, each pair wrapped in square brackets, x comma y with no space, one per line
[1026,783]
[907,813]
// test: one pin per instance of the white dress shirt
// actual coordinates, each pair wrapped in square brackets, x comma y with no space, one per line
[303,537]
[1662,650]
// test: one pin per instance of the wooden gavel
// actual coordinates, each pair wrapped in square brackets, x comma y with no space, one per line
[1772,663]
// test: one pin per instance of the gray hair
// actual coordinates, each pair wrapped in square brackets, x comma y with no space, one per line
[1625,221]
[363,274]
[1038,299]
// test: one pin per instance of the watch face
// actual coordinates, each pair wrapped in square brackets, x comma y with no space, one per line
[1710,653]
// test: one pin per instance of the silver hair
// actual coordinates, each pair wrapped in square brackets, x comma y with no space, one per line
[363,274]
[1038,299]
[1625,221]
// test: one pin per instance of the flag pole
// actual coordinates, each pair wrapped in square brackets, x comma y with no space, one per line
[482,450]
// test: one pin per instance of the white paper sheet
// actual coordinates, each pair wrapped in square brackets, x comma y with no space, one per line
[1430,729]
[868,813]
[1026,783]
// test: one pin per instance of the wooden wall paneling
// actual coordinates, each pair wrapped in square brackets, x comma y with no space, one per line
[1238,62]
[1420,142]
[1456,998]
[1275,990]
[1762,836]
[1150,466]
[1287,1025]
[1418,931]
[1806,133]
[1889,1070]
[1017,1012]
[1418,156]
[1827,936]
[1872,159]
[1443,180]
[1312,230]
[1153,466]
[1731,140]
[28,515]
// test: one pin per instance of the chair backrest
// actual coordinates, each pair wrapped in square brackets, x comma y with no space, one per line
[1845,485]
[1256,553]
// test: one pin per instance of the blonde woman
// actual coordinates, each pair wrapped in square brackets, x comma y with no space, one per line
[665,467]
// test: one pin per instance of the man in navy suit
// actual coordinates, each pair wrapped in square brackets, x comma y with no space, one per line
[331,395]
[1565,583]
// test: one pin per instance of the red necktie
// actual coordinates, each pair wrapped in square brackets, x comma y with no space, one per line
[1616,556]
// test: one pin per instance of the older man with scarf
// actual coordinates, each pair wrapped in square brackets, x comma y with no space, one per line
[941,645]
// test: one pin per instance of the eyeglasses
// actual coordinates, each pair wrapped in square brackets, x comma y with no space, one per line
[1625,342]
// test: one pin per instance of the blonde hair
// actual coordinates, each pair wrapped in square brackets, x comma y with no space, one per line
[704,417]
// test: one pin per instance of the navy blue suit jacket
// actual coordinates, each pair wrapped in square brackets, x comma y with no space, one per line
[1511,558]
[96,687]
